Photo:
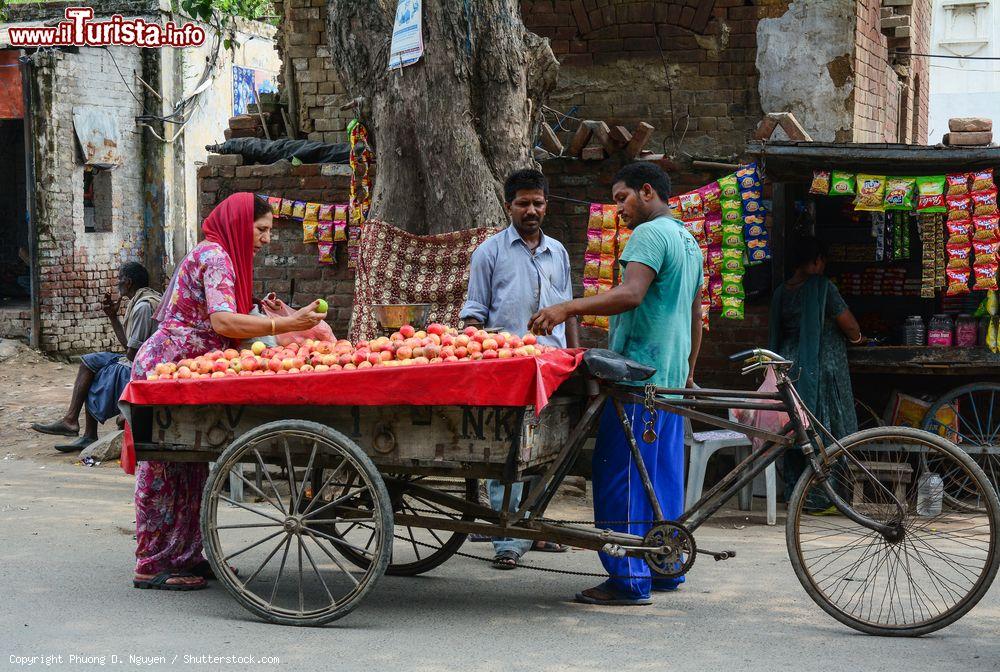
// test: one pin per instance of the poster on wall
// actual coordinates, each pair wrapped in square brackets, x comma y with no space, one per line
[407,34]
[245,82]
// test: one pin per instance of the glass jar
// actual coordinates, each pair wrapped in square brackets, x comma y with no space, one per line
[966,331]
[914,331]
[939,331]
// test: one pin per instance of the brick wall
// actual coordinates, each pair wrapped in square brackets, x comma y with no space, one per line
[881,90]
[287,266]
[308,71]
[704,84]
[76,267]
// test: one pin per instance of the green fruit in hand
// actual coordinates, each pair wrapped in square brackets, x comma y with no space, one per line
[322,306]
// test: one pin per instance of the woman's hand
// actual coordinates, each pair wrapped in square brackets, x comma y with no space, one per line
[302,319]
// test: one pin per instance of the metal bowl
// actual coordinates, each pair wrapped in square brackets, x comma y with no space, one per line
[394,315]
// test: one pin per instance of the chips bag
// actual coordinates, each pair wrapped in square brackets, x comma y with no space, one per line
[287,207]
[275,203]
[987,228]
[871,193]
[326,253]
[899,193]
[984,203]
[982,180]
[675,207]
[713,229]
[960,230]
[930,194]
[591,265]
[729,187]
[958,281]
[697,229]
[732,307]
[820,182]
[842,183]
[309,232]
[691,206]
[957,184]
[710,197]
[594,239]
[326,213]
[324,232]
[959,206]
[959,255]
[311,212]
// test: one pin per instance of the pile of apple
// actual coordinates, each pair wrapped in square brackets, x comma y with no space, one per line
[406,347]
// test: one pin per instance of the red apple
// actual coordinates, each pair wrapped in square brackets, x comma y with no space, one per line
[529,339]
[436,328]
[490,344]
[505,353]
[470,331]
[404,352]
[407,331]
[461,352]
[490,354]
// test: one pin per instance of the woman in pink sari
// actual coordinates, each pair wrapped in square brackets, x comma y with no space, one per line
[206,307]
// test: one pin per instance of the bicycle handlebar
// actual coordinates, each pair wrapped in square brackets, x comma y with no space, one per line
[761,357]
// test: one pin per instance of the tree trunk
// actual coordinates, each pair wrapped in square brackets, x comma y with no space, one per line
[448,129]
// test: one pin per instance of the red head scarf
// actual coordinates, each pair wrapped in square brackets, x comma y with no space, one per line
[230,225]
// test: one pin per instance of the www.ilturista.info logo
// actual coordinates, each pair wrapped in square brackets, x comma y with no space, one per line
[80,30]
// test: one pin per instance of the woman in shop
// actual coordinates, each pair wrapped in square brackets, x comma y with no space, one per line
[206,307]
[812,325]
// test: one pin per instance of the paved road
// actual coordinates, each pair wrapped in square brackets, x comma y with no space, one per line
[66,543]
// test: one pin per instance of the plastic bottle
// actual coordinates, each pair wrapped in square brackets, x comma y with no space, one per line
[930,492]
[914,331]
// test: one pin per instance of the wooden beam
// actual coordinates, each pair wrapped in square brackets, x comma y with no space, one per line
[603,135]
[580,139]
[639,140]
[550,141]
[592,153]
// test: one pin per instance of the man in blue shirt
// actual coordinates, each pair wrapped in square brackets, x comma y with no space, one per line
[512,275]
[656,321]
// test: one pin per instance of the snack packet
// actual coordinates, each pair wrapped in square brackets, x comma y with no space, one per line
[959,255]
[299,210]
[985,251]
[732,237]
[275,203]
[982,180]
[986,276]
[871,193]
[691,206]
[958,282]
[842,183]
[732,211]
[311,212]
[960,230]
[820,182]
[959,206]
[596,219]
[339,230]
[729,187]
[747,177]
[326,213]
[607,270]
[732,260]
[287,207]
[324,232]
[732,284]
[732,307]
[309,232]
[713,229]
[958,184]
[594,240]
[608,241]
[984,203]
[675,207]
[326,253]
[591,265]
[899,193]
[930,194]
[710,197]
[987,228]
[697,229]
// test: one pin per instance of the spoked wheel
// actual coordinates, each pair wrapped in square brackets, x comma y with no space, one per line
[969,416]
[291,571]
[924,578]
[866,415]
[415,549]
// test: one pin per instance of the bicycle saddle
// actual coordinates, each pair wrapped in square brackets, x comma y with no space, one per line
[615,368]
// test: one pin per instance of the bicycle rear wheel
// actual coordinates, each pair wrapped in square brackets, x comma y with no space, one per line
[927,578]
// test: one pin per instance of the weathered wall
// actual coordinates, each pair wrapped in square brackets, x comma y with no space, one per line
[77,267]
[816,83]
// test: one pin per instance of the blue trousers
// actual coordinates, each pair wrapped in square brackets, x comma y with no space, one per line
[496,490]
[619,494]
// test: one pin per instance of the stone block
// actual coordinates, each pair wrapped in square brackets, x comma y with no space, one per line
[106,448]
[970,124]
[972,139]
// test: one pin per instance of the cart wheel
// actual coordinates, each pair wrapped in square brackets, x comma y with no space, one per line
[969,416]
[925,577]
[867,417]
[291,571]
[416,549]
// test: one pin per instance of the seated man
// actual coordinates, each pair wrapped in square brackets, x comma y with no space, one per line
[103,375]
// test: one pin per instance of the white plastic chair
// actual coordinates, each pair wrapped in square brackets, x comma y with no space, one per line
[702,445]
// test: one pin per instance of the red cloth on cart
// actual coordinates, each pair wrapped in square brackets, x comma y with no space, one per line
[519,381]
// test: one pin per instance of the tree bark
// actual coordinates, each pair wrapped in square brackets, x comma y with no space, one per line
[448,129]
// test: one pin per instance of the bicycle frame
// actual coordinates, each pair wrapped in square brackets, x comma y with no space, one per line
[692,403]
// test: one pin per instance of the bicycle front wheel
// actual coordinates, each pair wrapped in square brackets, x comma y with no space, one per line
[906,585]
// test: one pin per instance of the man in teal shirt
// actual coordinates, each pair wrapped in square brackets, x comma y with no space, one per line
[656,321]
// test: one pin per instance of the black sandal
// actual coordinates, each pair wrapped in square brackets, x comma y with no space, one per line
[76,446]
[54,429]
[159,582]
[506,560]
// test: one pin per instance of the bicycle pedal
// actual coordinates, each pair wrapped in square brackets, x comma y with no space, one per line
[718,555]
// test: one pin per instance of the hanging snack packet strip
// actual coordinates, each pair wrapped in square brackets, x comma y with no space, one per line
[899,193]
[326,213]
[326,253]
[311,212]
[710,197]
[324,232]
[309,231]
[958,184]
[287,206]
[984,203]
[340,223]
[982,180]
[842,183]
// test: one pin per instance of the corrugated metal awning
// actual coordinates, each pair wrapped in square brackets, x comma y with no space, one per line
[97,132]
